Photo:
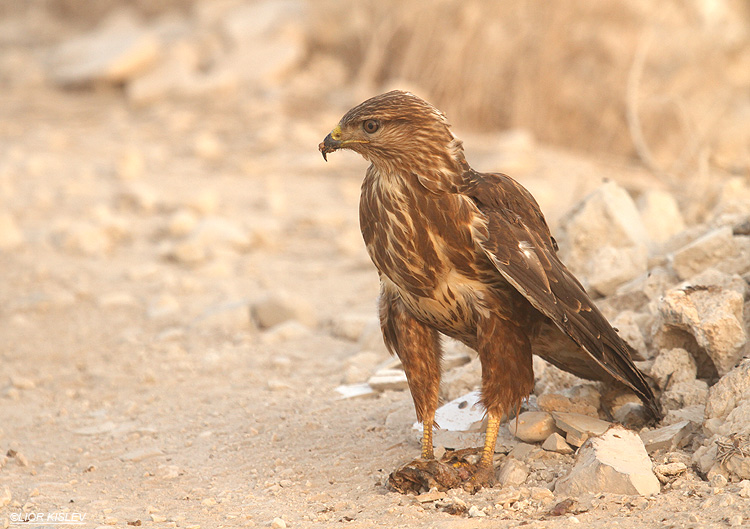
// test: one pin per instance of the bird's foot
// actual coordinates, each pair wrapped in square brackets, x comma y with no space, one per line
[484,477]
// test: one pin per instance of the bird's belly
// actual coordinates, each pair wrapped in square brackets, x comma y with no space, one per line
[452,307]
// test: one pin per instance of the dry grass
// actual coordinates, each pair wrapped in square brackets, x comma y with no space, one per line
[580,74]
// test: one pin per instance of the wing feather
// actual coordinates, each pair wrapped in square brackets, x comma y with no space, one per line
[517,241]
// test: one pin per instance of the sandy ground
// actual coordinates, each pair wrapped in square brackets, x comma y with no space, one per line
[134,389]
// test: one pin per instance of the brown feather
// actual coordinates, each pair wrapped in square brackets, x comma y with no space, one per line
[468,255]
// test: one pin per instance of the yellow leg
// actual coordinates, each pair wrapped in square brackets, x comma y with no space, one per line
[490,439]
[427,450]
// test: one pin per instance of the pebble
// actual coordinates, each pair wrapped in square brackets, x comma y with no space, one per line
[672,366]
[278,523]
[667,437]
[579,428]
[556,443]
[513,473]
[735,520]
[533,426]
[6,496]
[388,379]
[476,512]
[278,307]
[20,382]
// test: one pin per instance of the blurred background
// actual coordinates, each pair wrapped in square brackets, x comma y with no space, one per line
[665,84]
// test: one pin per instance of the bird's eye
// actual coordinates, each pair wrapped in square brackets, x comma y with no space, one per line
[370,126]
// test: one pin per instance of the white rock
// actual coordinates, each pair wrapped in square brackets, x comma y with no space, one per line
[388,379]
[533,426]
[279,307]
[351,326]
[465,414]
[550,402]
[556,443]
[611,266]
[579,427]
[711,310]
[11,236]
[661,215]
[284,332]
[667,437]
[730,391]
[278,523]
[513,473]
[672,366]
[616,463]
[684,394]
[603,237]
[703,252]
[114,53]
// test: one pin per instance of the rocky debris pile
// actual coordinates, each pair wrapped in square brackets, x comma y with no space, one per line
[679,297]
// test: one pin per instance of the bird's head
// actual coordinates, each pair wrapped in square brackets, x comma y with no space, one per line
[396,131]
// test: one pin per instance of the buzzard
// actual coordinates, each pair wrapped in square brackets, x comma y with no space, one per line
[468,255]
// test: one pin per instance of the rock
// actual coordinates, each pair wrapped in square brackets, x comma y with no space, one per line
[683,394]
[139,197]
[278,523]
[534,426]
[579,427]
[267,37]
[513,473]
[611,267]
[550,402]
[668,437]
[388,379]
[351,326]
[667,472]
[556,443]
[603,239]
[284,332]
[661,215]
[693,414]
[462,380]
[88,239]
[115,53]
[11,236]
[631,414]
[208,146]
[703,252]
[710,309]
[181,223]
[465,414]
[476,512]
[672,366]
[628,329]
[5,497]
[731,391]
[616,462]
[279,307]
[210,236]
[351,391]
[131,164]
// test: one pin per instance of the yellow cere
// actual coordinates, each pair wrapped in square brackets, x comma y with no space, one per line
[336,133]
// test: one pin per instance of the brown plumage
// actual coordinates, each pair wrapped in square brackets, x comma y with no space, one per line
[468,255]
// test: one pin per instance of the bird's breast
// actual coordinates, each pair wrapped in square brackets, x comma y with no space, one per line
[422,244]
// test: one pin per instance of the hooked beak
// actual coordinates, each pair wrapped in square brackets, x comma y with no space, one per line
[329,145]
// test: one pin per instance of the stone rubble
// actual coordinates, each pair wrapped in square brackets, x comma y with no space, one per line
[614,462]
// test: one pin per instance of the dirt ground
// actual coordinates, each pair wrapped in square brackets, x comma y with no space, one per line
[136,231]
[134,388]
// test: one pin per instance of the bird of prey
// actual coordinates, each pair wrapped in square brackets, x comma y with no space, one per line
[468,255]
